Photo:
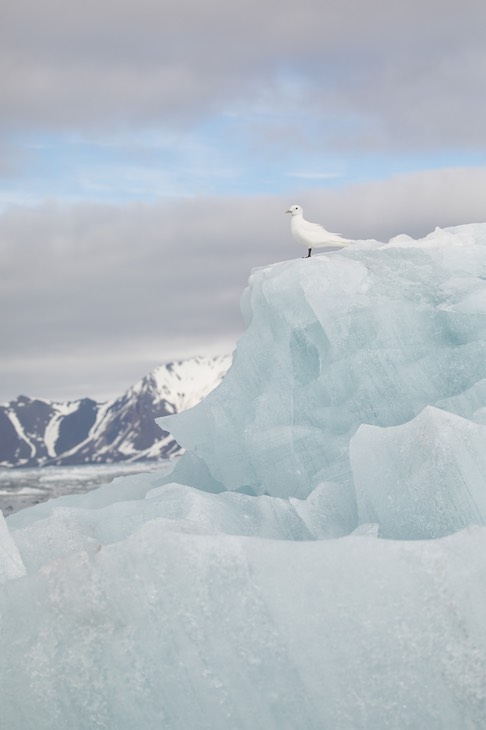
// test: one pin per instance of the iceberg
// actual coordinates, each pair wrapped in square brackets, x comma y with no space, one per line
[368,336]
[317,558]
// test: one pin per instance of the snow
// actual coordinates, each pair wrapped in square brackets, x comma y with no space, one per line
[51,433]
[187,382]
[20,431]
[317,558]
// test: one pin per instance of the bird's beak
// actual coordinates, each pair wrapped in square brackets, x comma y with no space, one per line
[288,211]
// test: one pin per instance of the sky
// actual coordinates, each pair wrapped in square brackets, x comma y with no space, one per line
[148,151]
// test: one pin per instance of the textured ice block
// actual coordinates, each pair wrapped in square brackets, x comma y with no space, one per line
[353,410]
[11,565]
[424,479]
[174,630]
[369,335]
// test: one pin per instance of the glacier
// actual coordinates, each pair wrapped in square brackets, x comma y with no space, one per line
[317,558]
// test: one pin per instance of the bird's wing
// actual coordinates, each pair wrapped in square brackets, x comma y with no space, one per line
[315,228]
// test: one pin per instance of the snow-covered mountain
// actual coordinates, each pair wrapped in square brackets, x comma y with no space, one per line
[36,432]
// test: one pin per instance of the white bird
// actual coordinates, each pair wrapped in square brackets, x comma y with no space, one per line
[312,235]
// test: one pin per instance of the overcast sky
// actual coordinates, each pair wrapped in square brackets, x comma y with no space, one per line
[148,150]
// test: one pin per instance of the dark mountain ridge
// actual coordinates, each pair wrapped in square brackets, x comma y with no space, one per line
[36,432]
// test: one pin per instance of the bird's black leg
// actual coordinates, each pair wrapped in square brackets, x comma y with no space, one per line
[308,255]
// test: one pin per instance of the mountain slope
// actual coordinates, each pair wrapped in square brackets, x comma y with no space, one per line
[35,432]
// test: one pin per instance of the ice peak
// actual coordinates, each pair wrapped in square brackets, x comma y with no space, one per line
[370,335]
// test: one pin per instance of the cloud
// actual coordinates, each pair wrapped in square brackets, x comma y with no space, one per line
[97,280]
[97,295]
[129,101]
[413,203]
[373,74]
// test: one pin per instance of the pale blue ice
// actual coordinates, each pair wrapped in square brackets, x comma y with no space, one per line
[317,558]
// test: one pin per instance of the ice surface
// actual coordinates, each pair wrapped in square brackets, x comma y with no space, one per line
[252,587]
[424,479]
[172,629]
[366,336]
[20,488]
[11,565]
[69,529]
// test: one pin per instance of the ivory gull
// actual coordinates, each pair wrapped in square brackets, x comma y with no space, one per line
[312,235]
